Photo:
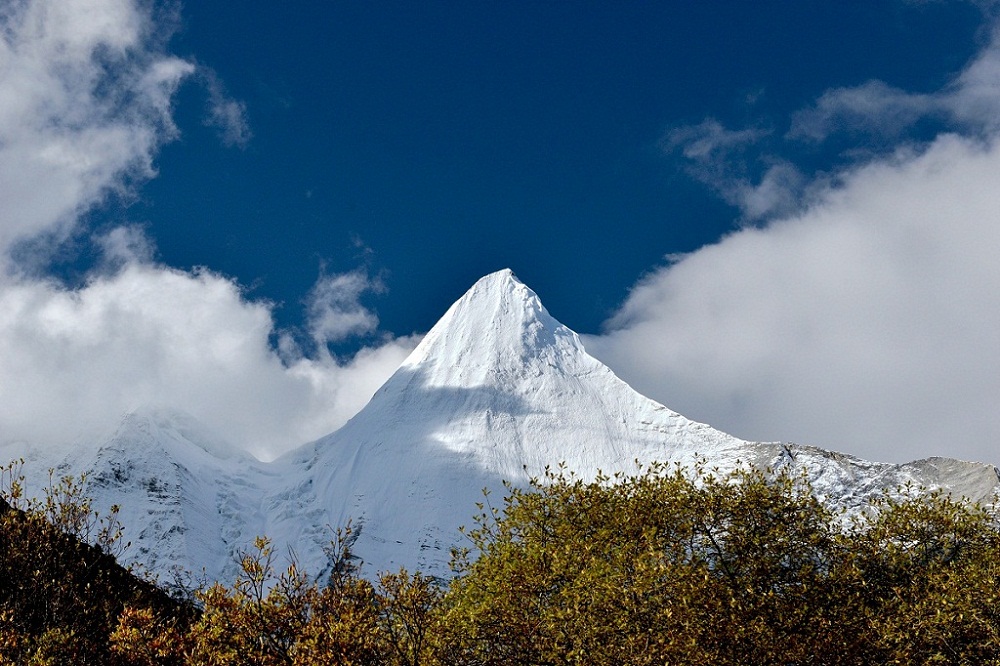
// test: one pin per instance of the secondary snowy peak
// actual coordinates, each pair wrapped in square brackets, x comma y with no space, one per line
[187,498]
[497,331]
[174,429]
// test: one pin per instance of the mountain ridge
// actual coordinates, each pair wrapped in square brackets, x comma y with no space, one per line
[497,390]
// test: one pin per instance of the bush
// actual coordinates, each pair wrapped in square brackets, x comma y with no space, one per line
[60,596]
[271,619]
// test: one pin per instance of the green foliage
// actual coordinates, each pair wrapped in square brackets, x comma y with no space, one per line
[271,619]
[935,566]
[407,604]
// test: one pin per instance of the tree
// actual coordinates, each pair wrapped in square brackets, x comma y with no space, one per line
[746,567]
[61,590]
[932,564]
[660,567]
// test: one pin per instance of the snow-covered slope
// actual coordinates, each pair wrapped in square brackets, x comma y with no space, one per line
[187,499]
[496,391]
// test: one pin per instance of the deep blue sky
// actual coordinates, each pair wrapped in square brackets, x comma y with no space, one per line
[436,142]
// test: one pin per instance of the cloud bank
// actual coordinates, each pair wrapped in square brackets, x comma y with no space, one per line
[86,91]
[865,322]
[73,361]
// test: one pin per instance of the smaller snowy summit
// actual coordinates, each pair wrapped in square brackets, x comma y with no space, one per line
[495,392]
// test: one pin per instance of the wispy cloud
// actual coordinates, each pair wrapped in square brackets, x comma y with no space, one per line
[873,108]
[224,113]
[968,104]
[726,160]
[709,140]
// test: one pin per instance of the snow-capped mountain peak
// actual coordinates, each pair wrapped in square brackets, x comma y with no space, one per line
[497,330]
[167,426]
[497,391]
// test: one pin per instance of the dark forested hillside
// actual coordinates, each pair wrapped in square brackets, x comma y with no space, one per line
[60,596]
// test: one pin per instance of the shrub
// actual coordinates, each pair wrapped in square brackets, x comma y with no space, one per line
[60,596]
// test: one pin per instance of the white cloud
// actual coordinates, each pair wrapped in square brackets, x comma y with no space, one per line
[868,323]
[780,191]
[123,245]
[867,320]
[76,360]
[974,98]
[84,104]
[334,311]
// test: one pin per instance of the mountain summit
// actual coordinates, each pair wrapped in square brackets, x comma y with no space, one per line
[496,332]
[495,392]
